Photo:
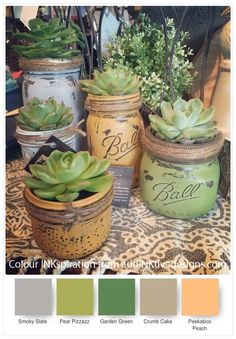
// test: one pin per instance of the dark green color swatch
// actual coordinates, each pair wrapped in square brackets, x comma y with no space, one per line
[116,296]
[75,297]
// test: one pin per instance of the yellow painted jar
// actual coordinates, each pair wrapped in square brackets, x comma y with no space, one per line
[70,230]
[114,129]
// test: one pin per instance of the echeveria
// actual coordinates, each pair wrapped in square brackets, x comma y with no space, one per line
[184,122]
[39,115]
[64,175]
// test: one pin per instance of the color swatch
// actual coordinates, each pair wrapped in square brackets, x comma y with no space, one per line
[158,296]
[200,297]
[33,297]
[116,296]
[75,297]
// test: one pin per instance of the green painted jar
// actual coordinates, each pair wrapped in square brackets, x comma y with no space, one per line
[179,181]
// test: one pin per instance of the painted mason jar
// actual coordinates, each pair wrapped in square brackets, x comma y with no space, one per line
[114,130]
[70,230]
[179,181]
[58,78]
[32,141]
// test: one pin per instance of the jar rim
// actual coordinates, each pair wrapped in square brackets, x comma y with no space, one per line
[182,153]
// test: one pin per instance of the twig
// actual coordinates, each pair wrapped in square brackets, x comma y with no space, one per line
[100,36]
[68,16]
[85,40]
[172,53]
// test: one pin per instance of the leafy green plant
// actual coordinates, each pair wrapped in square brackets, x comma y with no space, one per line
[141,49]
[50,40]
[39,115]
[64,175]
[111,82]
[185,122]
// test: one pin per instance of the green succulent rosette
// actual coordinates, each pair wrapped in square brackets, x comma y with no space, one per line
[39,115]
[50,39]
[184,122]
[65,174]
[111,82]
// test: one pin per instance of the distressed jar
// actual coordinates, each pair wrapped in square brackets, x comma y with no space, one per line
[32,141]
[58,78]
[113,130]
[179,181]
[70,230]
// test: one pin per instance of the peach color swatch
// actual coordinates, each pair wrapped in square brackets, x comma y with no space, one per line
[200,297]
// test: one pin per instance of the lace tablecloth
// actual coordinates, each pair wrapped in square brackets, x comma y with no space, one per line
[140,242]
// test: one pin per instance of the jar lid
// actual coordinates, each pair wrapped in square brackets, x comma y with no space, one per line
[110,103]
[50,64]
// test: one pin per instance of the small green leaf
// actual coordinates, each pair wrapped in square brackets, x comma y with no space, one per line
[99,184]
[34,183]
[66,197]
[179,120]
[167,111]
[205,116]
[180,105]
[99,167]
[50,193]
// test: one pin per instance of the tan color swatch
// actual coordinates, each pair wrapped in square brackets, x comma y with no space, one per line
[158,296]
[200,297]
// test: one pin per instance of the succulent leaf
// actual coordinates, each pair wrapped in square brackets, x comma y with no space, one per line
[34,183]
[96,169]
[184,122]
[205,116]
[167,111]
[49,193]
[99,184]
[64,175]
[66,197]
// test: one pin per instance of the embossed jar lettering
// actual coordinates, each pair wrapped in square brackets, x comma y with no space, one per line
[113,129]
[170,195]
[115,146]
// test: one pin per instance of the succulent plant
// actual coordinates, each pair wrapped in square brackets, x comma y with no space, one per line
[64,175]
[185,122]
[50,40]
[111,82]
[39,115]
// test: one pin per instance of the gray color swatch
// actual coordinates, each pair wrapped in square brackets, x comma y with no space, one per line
[33,297]
[158,296]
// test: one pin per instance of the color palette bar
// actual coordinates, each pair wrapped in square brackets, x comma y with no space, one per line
[116,297]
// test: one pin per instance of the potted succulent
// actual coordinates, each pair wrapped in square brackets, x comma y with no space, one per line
[179,171]
[68,199]
[51,62]
[114,121]
[38,120]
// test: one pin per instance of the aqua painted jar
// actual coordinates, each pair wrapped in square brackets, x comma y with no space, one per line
[179,181]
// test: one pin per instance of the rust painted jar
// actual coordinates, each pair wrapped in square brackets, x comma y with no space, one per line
[179,181]
[113,129]
[70,230]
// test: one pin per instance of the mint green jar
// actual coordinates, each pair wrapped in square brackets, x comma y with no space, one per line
[179,181]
